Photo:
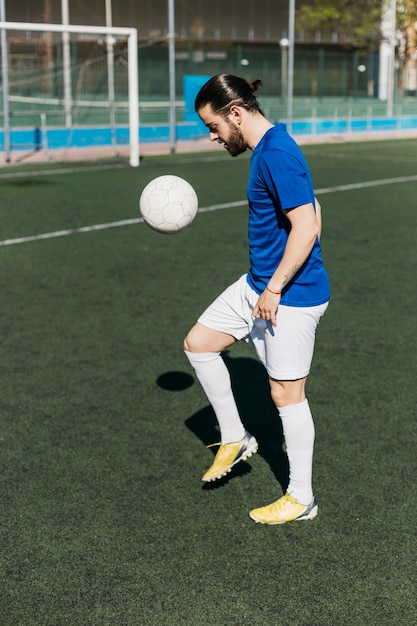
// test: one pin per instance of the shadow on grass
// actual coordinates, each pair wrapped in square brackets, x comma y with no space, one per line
[175,381]
[258,413]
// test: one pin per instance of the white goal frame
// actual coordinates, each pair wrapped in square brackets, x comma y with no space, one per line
[132,47]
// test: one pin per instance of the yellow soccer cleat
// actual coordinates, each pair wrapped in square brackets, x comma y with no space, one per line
[228,455]
[286,509]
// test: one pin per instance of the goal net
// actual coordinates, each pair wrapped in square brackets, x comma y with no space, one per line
[68,92]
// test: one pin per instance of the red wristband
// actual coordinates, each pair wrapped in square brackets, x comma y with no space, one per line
[276,293]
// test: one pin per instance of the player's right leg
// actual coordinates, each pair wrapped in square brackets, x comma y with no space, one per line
[203,339]
[219,327]
[203,348]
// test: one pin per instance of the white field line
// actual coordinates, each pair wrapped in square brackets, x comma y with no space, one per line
[214,207]
[84,169]
[70,231]
[65,170]
[366,184]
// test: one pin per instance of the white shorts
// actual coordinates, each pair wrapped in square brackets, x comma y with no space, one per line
[286,350]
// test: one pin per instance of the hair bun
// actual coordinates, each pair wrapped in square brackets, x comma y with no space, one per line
[255,85]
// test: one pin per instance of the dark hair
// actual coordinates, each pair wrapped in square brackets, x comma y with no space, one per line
[225,90]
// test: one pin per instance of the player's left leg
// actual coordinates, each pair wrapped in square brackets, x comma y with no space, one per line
[288,354]
[298,428]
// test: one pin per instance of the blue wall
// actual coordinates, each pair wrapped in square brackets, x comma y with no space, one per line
[30,139]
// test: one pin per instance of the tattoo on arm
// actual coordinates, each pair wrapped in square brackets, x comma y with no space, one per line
[290,274]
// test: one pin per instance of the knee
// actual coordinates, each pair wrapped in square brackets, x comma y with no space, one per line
[203,339]
[191,342]
[278,393]
[187,344]
[287,392]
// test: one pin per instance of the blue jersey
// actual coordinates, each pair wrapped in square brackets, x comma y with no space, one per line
[280,179]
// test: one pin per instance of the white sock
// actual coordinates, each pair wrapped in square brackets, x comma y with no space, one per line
[298,427]
[214,377]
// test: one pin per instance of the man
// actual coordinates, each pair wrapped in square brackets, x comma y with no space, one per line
[277,305]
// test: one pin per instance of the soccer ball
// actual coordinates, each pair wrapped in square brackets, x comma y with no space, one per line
[168,204]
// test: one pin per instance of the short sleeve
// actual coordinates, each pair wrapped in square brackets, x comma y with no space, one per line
[287,178]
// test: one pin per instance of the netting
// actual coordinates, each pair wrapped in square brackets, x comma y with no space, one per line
[68,94]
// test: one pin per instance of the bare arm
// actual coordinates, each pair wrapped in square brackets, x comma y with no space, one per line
[318,217]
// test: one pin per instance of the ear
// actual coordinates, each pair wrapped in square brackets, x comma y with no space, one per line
[236,113]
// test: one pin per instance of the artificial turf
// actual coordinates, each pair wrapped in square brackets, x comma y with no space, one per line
[103,426]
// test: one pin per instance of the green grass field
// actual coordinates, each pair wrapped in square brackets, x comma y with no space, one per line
[103,426]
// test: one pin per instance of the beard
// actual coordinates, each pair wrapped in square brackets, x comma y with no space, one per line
[235,144]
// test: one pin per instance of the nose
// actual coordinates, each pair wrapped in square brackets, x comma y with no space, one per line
[213,136]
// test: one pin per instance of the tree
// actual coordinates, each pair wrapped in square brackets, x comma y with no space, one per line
[354,21]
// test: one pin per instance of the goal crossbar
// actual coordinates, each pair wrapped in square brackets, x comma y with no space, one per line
[132,39]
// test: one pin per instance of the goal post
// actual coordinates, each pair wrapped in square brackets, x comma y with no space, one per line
[128,103]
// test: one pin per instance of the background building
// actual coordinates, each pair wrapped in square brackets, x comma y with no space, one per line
[246,37]
[75,89]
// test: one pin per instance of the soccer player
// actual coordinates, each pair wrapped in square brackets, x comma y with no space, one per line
[277,304]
